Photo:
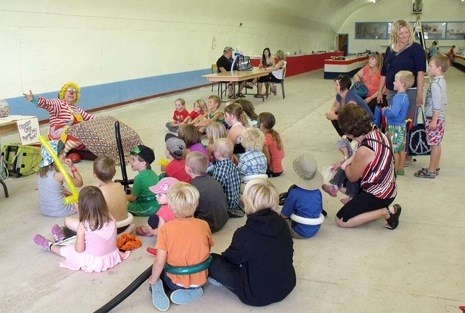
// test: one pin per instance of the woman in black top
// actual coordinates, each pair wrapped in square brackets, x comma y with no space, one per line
[258,266]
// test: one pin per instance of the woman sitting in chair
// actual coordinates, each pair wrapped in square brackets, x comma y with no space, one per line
[276,74]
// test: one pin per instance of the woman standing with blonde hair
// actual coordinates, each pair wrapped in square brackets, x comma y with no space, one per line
[403,55]
[258,264]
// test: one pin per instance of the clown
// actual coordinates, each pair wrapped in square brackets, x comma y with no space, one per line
[63,113]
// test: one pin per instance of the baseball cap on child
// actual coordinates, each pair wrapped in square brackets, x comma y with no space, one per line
[302,170]
[145,153]
[163,185]
[175,146]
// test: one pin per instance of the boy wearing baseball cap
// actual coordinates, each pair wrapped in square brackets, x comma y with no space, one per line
[142,201]
[176,153]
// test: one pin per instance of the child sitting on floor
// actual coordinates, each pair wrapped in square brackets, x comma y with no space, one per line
[141,200]
[176,154]
[213,115]
[252,161]
[164,214]
[191,137]
[50,183]
[198,112]
[303,206]
[213,207]
[273,146]
[183,242]
[95,249]
[104,170]
[227,174]
[179,115]
[214,131]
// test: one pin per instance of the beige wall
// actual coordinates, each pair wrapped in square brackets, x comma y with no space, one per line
[392,10]
[94,42]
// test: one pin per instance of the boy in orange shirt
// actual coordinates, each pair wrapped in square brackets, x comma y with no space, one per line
[183,242]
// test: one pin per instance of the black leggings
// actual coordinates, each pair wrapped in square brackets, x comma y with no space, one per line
[269,78]
[224,271]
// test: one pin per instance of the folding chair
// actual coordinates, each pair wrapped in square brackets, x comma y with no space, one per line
[282,84]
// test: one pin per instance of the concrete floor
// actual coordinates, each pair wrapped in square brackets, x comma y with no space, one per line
[419,267]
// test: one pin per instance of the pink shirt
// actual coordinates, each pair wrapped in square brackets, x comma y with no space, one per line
[166,213]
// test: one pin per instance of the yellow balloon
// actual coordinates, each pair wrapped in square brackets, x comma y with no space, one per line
[73,198]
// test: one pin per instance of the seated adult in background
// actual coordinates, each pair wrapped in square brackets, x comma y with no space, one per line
[276,74]
[373,166]
[267,59]
[63,112]
[224,64]
[258,266]
[369,75]
[345,96]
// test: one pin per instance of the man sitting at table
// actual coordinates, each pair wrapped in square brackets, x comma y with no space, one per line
[224,64]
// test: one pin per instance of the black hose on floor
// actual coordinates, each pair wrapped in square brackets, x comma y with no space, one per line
[126,292]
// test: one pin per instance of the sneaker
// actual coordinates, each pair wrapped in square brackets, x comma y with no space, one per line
[214,282]
[236,213]
[57,233]
[330,189]
[159,298]
[184,296]
[43,242]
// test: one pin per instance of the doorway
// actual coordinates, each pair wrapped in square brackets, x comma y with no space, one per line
[343,43]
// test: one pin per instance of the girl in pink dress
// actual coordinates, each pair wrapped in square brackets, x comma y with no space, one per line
[95,249]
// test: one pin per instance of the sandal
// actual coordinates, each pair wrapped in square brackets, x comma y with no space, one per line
[393,220]
[425,174]
[436,172]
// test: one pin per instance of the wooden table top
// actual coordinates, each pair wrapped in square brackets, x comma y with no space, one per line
[236,76]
